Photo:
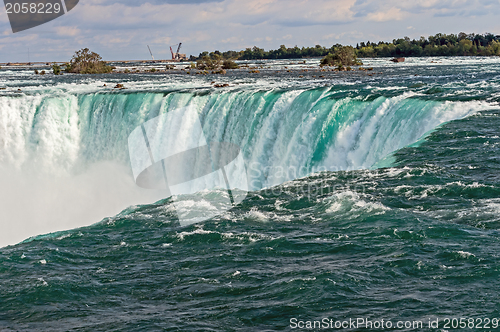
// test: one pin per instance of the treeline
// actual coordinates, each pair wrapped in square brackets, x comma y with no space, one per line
[259,53]
[438,45]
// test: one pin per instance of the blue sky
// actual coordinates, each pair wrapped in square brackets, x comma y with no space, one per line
[120,30]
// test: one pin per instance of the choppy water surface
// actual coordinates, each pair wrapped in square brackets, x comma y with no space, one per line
[372,196]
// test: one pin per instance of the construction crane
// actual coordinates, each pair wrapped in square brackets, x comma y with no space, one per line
[151,53]
[177,56]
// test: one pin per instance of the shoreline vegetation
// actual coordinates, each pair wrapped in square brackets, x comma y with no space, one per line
[461,44]
[85,62]
[342,57]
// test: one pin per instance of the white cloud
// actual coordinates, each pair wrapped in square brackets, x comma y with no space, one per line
[387,15]
[67,31]
[118,28]
[335,37]
[235,40]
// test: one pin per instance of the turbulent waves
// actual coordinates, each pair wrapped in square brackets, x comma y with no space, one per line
[411,242]
[363,205]
[66,155]
[305,129]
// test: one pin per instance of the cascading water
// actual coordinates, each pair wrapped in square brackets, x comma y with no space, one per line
[65,156]
[413,220]
[277,128]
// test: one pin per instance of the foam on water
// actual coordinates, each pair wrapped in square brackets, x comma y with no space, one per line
[63,149]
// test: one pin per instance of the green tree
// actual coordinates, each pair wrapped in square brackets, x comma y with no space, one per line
[229,64]
[439,44]
[343,57]
[56,69]
[209,63]
[86,62]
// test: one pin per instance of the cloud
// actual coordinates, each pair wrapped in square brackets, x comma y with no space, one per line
[306,13]
[160,2]
[122,28]
[375,9]
[67,31]
[387,15]
[335,37]
[235,40]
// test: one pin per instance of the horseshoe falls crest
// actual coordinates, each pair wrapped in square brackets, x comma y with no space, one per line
[374,196]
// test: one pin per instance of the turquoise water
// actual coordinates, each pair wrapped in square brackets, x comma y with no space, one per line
[374,197]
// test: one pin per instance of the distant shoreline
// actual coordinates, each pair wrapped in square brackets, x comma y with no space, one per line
[461,44]
[187,62]
[49,63]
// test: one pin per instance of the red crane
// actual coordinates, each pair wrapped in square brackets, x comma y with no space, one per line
[176,56]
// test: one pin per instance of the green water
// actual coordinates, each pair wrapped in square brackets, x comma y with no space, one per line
[403,224]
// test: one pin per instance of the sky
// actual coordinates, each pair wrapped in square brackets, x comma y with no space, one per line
[122,29]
